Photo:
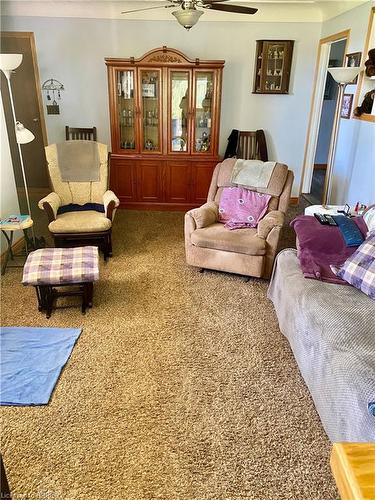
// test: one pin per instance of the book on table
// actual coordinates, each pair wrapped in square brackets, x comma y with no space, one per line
[14,219]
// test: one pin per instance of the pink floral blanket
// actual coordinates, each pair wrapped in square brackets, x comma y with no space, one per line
[240,208]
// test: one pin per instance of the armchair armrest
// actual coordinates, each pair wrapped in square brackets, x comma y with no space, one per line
[50,204]
[205,215]
[110,202]
[275,218]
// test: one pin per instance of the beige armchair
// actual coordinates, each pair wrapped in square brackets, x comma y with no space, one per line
[80,213]
[250,251]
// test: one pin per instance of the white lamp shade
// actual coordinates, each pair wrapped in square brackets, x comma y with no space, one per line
[9,62]
[188,17]
[344,75]
[23,135]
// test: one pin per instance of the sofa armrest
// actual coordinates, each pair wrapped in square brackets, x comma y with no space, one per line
[205,215]
[50,204]
[275,218]
[110,202]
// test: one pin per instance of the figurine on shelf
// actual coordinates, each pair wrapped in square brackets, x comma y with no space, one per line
[205,146]
[149,145]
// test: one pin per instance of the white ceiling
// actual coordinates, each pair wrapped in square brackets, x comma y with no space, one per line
[269,10]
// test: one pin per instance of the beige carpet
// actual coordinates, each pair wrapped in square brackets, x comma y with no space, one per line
[181,386]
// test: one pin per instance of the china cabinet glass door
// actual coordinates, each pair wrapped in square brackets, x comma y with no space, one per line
[204,88]
[150,82]
[126,110]
[179,111]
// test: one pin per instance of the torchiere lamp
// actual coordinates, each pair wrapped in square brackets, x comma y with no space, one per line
[342,76]
[8,63]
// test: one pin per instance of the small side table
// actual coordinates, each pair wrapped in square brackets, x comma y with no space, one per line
[319,209]
[11,228]
[353,467]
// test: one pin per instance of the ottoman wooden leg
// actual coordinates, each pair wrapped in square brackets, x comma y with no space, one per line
[85,294]
[44,294]
[90,288]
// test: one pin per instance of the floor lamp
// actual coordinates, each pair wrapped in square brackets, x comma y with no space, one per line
[342,76]
[8,63]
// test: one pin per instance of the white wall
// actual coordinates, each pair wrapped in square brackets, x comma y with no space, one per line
[354,169]
[73,50]
[9,201]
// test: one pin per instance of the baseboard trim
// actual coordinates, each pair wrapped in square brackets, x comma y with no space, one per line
[320,166]
[294,200]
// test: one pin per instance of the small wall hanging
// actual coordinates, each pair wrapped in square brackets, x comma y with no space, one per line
[53,89]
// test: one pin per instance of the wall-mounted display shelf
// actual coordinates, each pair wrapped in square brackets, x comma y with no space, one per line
[273,61]
[365,83]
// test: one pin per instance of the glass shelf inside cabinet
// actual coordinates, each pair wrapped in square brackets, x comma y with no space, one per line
[275,66]
[179,110]
[126,109]
[150,108]
[203,111]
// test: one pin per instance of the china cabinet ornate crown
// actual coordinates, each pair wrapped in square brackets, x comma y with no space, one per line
[165,116]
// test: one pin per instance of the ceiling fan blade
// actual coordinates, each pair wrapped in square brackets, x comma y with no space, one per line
[239,9]
[148,8]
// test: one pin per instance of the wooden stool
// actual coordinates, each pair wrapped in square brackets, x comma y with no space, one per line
[49,269]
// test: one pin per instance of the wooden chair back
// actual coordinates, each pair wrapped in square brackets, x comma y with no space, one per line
[83,134]
[252,146]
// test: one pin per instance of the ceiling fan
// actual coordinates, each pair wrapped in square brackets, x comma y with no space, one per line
[188,15]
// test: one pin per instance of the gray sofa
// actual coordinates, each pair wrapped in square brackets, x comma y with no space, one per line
[331,330]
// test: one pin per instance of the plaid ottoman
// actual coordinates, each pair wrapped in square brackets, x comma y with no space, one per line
[48,268]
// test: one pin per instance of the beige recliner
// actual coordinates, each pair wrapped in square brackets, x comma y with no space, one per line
[70,226]
[250,251]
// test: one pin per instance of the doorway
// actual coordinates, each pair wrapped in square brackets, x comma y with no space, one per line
[26,91]
[318,149]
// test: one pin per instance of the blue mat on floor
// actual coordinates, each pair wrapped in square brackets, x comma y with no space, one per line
[31,360]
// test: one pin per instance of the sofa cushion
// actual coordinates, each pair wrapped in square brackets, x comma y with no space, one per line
[359,269]
[331,331]
[218,237]
[80,222]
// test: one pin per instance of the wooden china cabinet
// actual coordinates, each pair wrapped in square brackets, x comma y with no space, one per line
[165,118]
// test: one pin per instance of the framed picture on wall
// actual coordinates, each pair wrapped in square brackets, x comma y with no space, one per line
[346,108]
[353,60]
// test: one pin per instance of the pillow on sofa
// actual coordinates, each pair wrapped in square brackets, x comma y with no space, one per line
[359,269]
[239,207]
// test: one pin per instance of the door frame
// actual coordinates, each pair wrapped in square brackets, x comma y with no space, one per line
[319,82]
[31,37]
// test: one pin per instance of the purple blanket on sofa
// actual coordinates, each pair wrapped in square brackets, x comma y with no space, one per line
[321,246]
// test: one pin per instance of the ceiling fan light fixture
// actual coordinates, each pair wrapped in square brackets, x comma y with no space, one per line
[188,17]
